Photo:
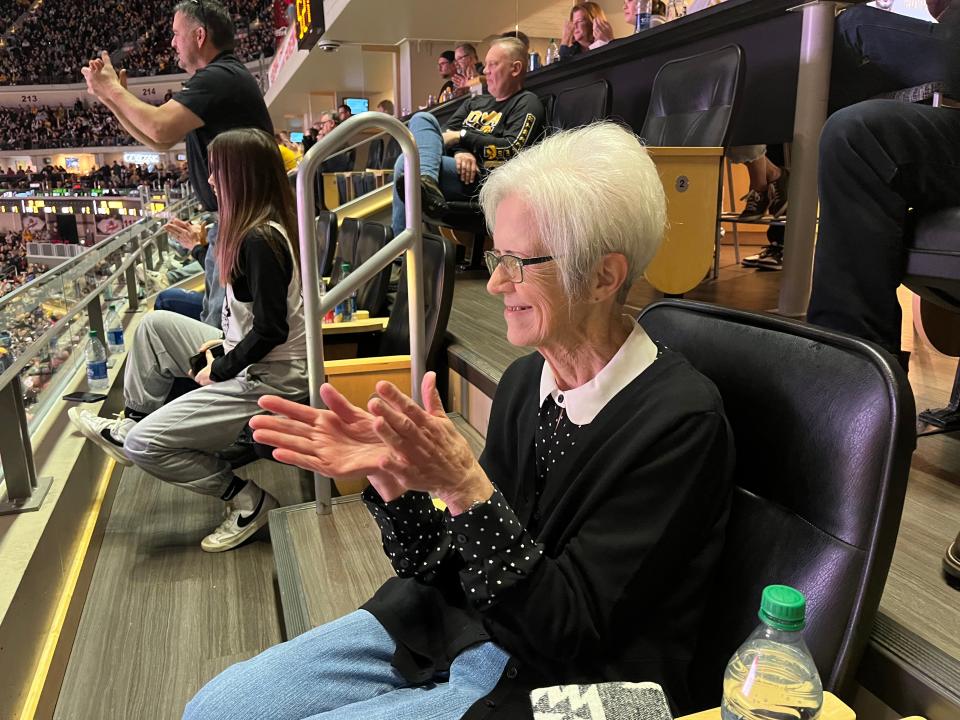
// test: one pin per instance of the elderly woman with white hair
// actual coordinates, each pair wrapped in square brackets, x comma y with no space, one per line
[578,548]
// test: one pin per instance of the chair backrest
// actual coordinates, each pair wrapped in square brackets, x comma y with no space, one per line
[390,154]
[438,278]
[693,99]
[375,155]
[548,102]
[575,107]
[326,241]
[358,241]
[824,429]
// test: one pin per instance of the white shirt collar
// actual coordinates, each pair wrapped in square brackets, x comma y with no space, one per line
[584,403]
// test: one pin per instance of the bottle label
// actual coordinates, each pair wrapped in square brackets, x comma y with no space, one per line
[115,337]
[97,370]
[643,21]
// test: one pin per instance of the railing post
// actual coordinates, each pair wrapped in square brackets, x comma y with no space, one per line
[24,491]
[133,294]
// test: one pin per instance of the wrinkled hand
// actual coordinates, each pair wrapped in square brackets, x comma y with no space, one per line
[186,233]
[567,37]
[602,30]
[337,442]
[467,167]
[426,451]
[101,76]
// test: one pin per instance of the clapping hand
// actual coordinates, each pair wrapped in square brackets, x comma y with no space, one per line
[101,76]
[186,233]
[602,30]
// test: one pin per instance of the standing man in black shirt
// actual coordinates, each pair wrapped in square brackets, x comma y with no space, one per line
[486,131]
[220,95]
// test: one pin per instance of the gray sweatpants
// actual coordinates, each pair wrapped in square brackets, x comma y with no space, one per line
[178,442]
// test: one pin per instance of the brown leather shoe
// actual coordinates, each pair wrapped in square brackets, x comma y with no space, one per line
[951,560]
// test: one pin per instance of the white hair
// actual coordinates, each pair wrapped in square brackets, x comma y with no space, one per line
[514,48]
[591,191]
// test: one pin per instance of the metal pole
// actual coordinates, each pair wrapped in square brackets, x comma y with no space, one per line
[24,491]
[813,94]
[95,315]
[312,294]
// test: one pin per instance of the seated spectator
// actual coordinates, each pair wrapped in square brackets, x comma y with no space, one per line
[344,112]
[386,107]
[263,341]
[342,162]
[485,131]
[580,547]
[469,68]
[288,151]
[446,66]
[587,28]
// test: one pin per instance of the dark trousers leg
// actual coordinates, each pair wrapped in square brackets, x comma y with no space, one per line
[877,52]
[877,159]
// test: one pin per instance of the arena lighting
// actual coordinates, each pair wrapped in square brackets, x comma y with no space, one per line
[310,25]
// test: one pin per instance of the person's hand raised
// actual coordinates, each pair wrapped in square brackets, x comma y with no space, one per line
[101,76]
[602,30]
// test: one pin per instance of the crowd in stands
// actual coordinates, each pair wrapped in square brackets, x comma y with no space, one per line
[55,40]
[45,126]
[117,176]
[14,268]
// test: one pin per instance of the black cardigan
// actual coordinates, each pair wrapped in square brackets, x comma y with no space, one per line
[628,543]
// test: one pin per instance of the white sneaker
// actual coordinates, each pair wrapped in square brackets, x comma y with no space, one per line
[108,433]
[246,514]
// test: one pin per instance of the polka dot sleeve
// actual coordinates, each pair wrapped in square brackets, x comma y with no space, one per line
[496,549]
[414,536]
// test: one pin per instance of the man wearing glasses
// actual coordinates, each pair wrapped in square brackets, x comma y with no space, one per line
[220,95]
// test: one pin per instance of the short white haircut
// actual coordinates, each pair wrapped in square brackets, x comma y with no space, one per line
[591,191]
[514,48]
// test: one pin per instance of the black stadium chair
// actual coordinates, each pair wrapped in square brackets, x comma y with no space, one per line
[815,505]
[358,241]
[326,241]
[693,100]
[933,273]
[582,105]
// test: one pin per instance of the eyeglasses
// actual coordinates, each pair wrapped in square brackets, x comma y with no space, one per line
[511,264]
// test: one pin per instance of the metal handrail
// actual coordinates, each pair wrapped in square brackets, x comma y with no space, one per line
[130,230]
[410,240]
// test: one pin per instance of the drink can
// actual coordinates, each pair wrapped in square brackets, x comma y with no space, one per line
[534,61]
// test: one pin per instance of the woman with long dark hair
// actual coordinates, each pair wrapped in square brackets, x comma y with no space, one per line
[261,351]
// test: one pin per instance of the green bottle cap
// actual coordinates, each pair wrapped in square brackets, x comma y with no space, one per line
[783,608]
[93,333]
[345,266]
[113,307]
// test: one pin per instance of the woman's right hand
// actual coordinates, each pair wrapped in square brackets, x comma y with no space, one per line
[567,37]
[337,442]
[186,233]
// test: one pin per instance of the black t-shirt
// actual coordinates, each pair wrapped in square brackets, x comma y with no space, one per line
[225,96]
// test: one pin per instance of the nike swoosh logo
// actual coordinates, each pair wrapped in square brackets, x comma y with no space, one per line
[106,435]
[242,521]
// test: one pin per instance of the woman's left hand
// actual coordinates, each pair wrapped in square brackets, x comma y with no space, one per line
[602,30]
[426,451]
[203,377]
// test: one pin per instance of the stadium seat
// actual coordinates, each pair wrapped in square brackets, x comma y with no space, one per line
[815,506]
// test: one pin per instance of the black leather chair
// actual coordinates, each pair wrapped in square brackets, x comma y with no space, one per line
[358,241]
[693,100]
[692,104]
[823,453]
[581,105]
[933,272]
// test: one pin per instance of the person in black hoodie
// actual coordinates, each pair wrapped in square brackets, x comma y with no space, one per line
[486,131]
[580,546]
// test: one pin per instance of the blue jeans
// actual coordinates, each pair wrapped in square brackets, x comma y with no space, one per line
[342,671]
[426,131]
[182,302]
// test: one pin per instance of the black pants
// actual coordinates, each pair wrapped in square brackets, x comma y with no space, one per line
[878,159]
[878,52]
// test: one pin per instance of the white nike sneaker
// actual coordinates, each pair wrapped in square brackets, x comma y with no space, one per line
[108,433]
[246,514]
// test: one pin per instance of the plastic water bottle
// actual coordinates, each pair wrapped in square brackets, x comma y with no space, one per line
[643,16]
[772,675]
[344,311]
[553,52]
[96,363]
[114,331]
[658,13]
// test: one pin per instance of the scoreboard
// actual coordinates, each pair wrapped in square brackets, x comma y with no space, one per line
[310,24]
